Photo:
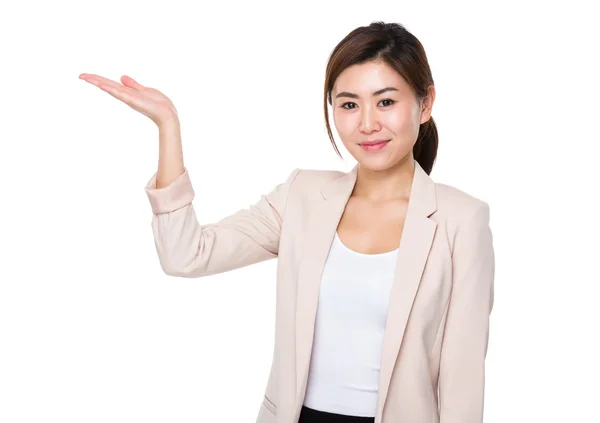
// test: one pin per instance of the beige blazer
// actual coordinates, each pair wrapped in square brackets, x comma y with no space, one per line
[438,319]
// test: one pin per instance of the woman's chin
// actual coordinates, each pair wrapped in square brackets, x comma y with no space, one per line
[375,163]
[378,162]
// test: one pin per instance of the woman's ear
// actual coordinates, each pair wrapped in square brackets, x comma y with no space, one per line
[427,104]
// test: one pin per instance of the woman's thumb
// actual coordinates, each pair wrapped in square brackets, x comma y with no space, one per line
[132,83]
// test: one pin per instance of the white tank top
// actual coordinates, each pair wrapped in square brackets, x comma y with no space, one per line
[349,328]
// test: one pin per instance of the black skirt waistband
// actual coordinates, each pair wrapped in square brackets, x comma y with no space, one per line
[309,415]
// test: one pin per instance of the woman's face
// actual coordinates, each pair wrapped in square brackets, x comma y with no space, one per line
[372,102]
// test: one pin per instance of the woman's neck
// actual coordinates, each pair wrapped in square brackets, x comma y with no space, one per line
[384,185]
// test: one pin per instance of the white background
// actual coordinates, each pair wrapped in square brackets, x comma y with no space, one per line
[91,330]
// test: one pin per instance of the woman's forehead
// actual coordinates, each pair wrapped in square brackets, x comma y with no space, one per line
[366,78]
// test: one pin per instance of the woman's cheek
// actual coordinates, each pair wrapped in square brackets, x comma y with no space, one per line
[345,124]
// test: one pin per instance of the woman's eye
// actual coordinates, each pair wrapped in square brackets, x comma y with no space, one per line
[390,102]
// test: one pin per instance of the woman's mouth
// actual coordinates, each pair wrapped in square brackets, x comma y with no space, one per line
[375,145]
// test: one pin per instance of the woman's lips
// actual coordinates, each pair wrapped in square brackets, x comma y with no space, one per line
[374,145]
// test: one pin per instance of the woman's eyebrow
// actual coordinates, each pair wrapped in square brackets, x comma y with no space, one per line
[376,93]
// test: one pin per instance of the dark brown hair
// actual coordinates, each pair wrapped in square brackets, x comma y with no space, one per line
[394,45]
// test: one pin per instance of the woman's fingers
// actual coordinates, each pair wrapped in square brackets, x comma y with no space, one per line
[115,89]
[97,79]
[126,80]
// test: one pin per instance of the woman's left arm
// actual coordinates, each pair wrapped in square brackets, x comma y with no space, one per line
[465,339]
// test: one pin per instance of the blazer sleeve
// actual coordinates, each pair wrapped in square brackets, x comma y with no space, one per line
[187,248]
[466,333]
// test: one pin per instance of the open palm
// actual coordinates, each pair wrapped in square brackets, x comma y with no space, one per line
[148,101]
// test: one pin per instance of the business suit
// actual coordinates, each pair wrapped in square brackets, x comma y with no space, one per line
[440,303]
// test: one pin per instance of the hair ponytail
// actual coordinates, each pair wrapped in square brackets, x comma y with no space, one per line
[425,149]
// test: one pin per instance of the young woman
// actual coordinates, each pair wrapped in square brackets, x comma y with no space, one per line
[384,277]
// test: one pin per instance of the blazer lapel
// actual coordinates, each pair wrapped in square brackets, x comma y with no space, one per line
[415,244]
[325,215]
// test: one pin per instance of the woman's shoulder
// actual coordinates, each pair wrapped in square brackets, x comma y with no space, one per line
[457,206]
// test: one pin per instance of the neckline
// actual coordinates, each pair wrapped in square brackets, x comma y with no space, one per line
[386,253]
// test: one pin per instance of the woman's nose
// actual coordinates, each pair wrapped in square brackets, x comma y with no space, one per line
[369,121]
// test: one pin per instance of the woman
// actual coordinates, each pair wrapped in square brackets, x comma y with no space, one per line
[384,277]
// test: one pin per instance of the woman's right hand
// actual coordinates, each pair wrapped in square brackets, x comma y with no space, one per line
[148,101]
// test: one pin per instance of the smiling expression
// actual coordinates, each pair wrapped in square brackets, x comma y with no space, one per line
[372,103]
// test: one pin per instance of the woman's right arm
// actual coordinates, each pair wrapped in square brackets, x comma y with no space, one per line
[185,247]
